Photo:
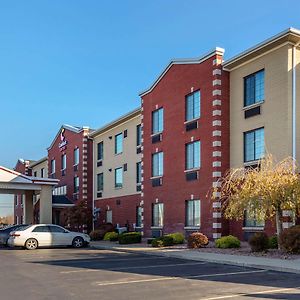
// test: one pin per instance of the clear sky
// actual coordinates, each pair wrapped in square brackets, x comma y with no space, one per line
[84,62]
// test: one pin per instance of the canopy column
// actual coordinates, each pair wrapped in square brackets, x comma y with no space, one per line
[28,207]
[46,204]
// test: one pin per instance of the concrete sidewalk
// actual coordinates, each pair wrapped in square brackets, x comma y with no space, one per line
[281,265]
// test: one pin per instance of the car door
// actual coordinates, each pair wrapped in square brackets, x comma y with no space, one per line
[43,235]
[61,237]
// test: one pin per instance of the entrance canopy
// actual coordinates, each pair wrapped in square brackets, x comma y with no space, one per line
[12,182]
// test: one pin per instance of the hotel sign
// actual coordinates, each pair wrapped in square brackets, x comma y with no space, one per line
[63,142]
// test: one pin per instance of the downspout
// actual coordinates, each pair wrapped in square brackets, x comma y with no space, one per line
[294,105]
[93,188]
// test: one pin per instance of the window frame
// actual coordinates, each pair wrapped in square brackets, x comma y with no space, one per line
[100,150]
[138,216]
[119,135]
[76,187]
[254,144]
[160,169]
[255,102]
[139,172]
[194,117]
[53,166]
[121,184]
[76,156]
[194,167]
[194,210]
[102,185]
[139,135]
[160,126]
[63,162]
[158,218]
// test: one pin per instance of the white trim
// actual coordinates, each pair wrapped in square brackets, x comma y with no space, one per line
[217,102]
[217,123]
[287,213]
[287,224]
[217,72]
[217,133]
[216,143]
[216,184]
[217,204]
[217,194]
[217,82]
[217,112]
[217,154]
[198,60]
[260,228]
[216,164]
[217,225]
[217,215]
[216,235]
[253,105]
[216,92]
[216,174]
[191,227]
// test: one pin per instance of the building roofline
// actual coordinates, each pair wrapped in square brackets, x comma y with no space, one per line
[35,163]
[116,122]
[183,61]
[260,46]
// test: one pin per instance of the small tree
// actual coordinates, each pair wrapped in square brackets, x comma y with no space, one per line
[264,191]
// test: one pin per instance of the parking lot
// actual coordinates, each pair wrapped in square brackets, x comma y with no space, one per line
[103,274]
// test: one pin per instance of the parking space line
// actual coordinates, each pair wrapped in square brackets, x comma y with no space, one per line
[254,293]
[129,268]
[177,278]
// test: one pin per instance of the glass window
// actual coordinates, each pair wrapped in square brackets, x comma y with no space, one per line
[138,172]
[157,120]
[157,164]
[100,151]
[192,106]
[138,135]
[252,222]
[158,215]
[41,229]
[109,216]
[192,213]
[254,145]
[254,88]
[119,177]
[42,173]
[52,166]
[100,182]
[35,174]
[76,156]
[119,143]
[63,161]
[192,155]
[57,229]
[138,216]
[76,184]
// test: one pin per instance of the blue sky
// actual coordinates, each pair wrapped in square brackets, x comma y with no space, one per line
[84,62]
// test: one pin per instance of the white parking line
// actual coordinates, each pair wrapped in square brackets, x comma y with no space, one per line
[129,268]
[177,278]
[254,293]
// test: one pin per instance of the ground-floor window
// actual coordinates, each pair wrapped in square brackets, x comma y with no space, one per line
[109,216]
[138,216]
[158,215]
[192,213]
[252,222]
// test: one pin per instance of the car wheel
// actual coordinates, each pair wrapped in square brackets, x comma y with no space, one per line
[78,242]
[31,244]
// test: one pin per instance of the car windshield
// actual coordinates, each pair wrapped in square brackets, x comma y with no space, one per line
[21,228]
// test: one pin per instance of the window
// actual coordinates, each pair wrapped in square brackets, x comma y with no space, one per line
[52,165]
[192,213]
[42,173]
[192,106]
[119,143]
[100,182]
[254,145]
[76,156]
[158,215]
[35,174]
[57,229]
[138,216]
[119,177]
[41,229]
[63,161]
[138,135]
[192,155]
[157,164]
[109,216]
[138,172]
[254,88]
[100,151]
[157,120]
[76,184]
[252,222]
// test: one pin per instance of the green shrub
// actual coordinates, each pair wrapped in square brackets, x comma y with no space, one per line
[273,242]
[228,241]
[130,238]
[259,242]
[163,241]
[290,239]
[95,235]
[111,236]
[178,237]
[149,241]
[197,240]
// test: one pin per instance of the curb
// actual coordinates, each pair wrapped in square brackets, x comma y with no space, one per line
[217,261]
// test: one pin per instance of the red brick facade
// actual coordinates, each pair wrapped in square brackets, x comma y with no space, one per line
[169,93]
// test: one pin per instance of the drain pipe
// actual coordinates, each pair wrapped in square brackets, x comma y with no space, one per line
[294,105]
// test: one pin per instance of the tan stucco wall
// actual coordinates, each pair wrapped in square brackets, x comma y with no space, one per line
[112,161]
[37,168]
[276,111]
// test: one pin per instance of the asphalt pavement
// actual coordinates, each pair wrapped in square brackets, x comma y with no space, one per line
[106,274]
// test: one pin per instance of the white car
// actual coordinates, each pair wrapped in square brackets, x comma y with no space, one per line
[46,235]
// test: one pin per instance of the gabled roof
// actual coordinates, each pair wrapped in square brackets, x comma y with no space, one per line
[183,61]
[35,163]
[74,129]
[291,35]
[61,201]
